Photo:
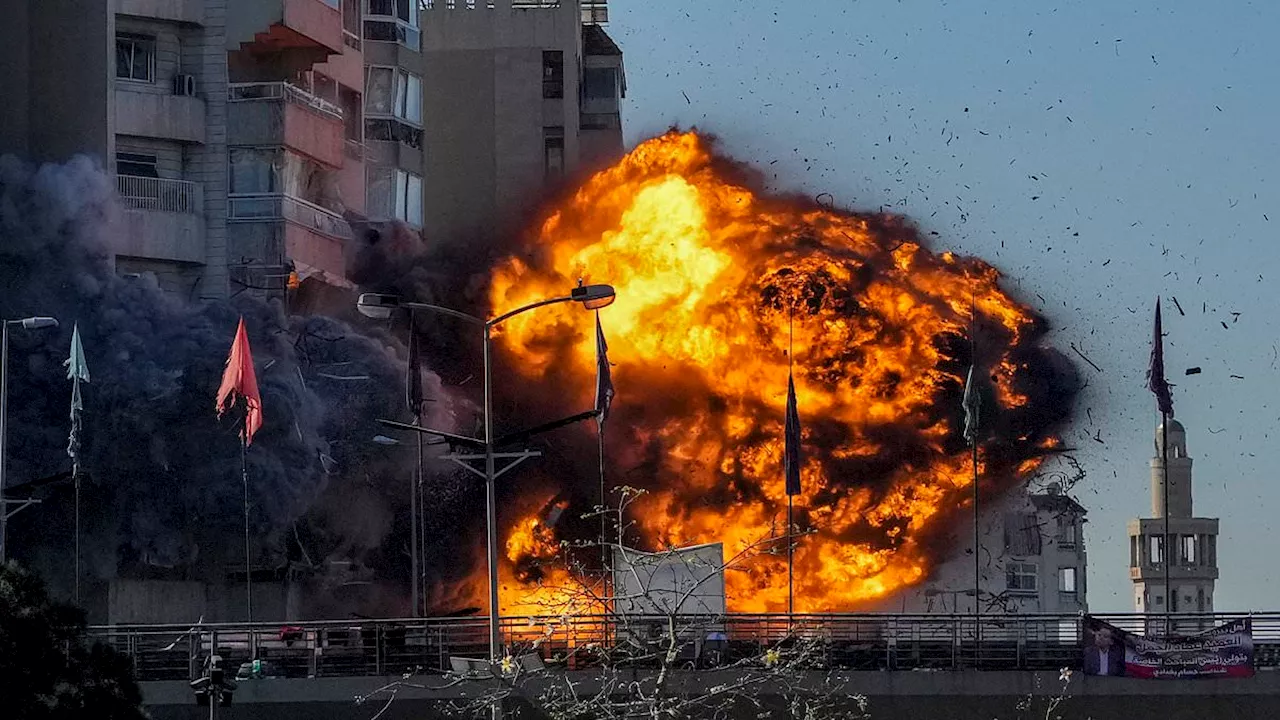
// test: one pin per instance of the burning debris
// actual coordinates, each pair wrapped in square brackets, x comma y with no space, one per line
[715,282]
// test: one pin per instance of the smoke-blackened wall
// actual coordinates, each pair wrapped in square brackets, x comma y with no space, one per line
[161,473]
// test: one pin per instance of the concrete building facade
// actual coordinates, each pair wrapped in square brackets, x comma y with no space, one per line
[1193,541]
[507,111]
[1031,559]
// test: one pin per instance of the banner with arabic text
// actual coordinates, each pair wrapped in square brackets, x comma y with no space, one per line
[1225,651]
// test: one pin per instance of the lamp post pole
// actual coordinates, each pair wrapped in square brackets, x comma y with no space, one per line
[592,297]
[4,434]
[31,323]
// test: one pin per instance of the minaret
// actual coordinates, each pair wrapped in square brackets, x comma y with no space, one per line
[1194,542]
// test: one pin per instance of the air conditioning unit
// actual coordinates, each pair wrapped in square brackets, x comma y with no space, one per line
[184,85]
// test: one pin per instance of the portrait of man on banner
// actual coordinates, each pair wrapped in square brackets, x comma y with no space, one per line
[1103,649]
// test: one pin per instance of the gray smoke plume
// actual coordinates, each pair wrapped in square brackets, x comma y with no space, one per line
[161,472]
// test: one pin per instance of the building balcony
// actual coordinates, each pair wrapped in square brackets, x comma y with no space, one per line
[285,26]
[279,207]
[180,11]
[275,114]
[307,234]
[163,218]
[160,115]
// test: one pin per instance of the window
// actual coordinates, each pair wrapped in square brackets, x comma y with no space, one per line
[392,130]
[1156,549]
[392,91]
[1021,577]
[1067,530]
[408,97]
[1173,601]
[379,90]
[553,151]
[255,171]
[1067,580]
[1189,556]
[1200,599]
[552,74]
[136,165]
[600,83]
[136,58]
[407,200]
[393,21]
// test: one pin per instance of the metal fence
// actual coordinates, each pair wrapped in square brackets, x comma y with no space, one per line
[148,193]
[274,91]
[855,642]
[254,207]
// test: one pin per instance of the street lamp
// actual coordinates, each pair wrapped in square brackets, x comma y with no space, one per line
[380,307]
[31,323]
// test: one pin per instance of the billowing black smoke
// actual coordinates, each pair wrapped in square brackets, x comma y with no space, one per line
[161,472]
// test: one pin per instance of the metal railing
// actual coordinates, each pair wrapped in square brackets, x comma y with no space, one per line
[282,91]
[278,206]
[148,193]
[855,642]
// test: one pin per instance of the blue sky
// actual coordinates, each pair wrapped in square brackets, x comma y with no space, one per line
[1098,153]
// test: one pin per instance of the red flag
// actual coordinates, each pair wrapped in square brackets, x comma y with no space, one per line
[238,380]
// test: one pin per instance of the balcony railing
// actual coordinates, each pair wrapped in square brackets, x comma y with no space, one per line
[282,91]
[853,642]
[277,206]
[148,193]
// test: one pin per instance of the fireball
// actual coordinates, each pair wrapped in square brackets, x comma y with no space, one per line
[722,291]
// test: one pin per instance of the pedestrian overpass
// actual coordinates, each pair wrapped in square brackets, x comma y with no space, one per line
[908,666]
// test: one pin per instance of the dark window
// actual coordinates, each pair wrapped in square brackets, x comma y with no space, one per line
[600,84]
[553,151]
[136,165]
[552,74]
[382,7]
[391,130]
[136,57]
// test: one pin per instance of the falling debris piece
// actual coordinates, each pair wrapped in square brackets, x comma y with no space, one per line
[1082,357]
[1237,377]
[1224,325]
[1177,305]
[1193,371]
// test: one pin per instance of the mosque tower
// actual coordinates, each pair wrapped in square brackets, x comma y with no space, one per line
[1193,551]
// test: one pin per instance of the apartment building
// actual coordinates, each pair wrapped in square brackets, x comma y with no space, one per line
[224,124]
[520,94]
[140,86]
[294,125]
[393,123]
[1031,559]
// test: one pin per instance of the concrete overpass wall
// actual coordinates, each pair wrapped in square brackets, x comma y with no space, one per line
[946,695]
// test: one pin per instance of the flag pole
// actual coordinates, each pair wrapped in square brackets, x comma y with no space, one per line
[973,442]
[1166,555]
[244,476]
[76,475]
[791,548]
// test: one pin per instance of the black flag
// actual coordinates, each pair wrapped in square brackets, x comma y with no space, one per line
[791,453]
[604,378]
[413,383]
[1155,374]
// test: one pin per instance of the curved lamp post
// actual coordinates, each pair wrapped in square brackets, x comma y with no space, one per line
[380,307]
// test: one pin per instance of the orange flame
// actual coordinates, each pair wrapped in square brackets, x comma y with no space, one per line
[716,286]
